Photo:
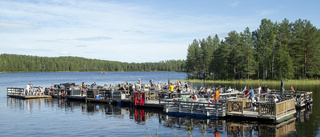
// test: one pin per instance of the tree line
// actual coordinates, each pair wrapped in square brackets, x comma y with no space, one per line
[276,50]
[26,63]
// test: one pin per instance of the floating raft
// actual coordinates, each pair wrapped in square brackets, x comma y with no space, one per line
[276,112]
[149,103]
[19,93]
[195,108]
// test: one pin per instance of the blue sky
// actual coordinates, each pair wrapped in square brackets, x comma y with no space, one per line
[133,30]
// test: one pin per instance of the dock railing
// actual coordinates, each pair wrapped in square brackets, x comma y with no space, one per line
[15,91]
[285,106]
[264,108]
[23,91]
[151,95]
[125,94]
[238,104]
[195,108]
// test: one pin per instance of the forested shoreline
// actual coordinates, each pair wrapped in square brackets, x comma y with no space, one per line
[276,50]
[26,63]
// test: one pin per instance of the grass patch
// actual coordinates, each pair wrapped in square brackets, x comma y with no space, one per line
[256,82]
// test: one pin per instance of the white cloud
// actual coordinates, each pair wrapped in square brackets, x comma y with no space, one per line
[64,53]
[108,30]
[235,4]
[94,38]
[265,12]
[4,26]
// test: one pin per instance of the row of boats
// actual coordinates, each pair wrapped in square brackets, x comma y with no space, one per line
[275,106]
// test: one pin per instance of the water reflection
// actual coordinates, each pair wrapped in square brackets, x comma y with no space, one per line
[210,127]
[29,105]
[303,114]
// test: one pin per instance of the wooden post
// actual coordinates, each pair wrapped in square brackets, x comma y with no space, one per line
[275,108]
[191,110]
[259,108]
[217,107]
[159,100]
[242,106]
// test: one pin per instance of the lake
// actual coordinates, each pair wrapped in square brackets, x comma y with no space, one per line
[54,117]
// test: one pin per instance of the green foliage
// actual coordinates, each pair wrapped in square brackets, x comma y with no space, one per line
[274,51]
[24,63]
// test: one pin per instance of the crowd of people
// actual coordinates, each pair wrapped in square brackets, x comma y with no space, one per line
[29,90]
[177,87]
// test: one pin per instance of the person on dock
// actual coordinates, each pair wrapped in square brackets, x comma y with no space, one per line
[186,85]
[83,88]
[179,89]
[165,86]
[51,89]
[126,85]
[28,89]
[251,97]
[258,91]
[38,91]
[220,89]
[265,89]
[93,85]
[31,88]
[251,94]
[179,84]
[52,86]
[131,89]
[216,96]
[139,81]
[292,90]
[246,92]
[151,82]
[195,97]
[159,86]
[229,89]
[138,85]
[171,87]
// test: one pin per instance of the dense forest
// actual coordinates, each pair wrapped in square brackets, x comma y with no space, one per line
[276,50]
[25,63]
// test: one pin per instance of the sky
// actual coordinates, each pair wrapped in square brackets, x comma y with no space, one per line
[133,30]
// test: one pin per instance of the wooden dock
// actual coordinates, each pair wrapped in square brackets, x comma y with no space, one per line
[277,112]
[149,103]
[201,109]
[75,97]
[20,93]
[30,97]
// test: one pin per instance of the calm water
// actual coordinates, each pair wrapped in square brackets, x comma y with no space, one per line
[53,117]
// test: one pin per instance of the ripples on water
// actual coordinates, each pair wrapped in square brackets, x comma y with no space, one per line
[54,117]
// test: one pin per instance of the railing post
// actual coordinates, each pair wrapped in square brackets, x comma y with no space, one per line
[191,110]
[242,106]
[159,100]
[275,108]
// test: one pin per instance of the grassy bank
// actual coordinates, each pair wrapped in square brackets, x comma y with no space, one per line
[256,82]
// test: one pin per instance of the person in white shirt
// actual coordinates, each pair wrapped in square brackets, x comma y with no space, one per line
[258,92]
[28,89]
